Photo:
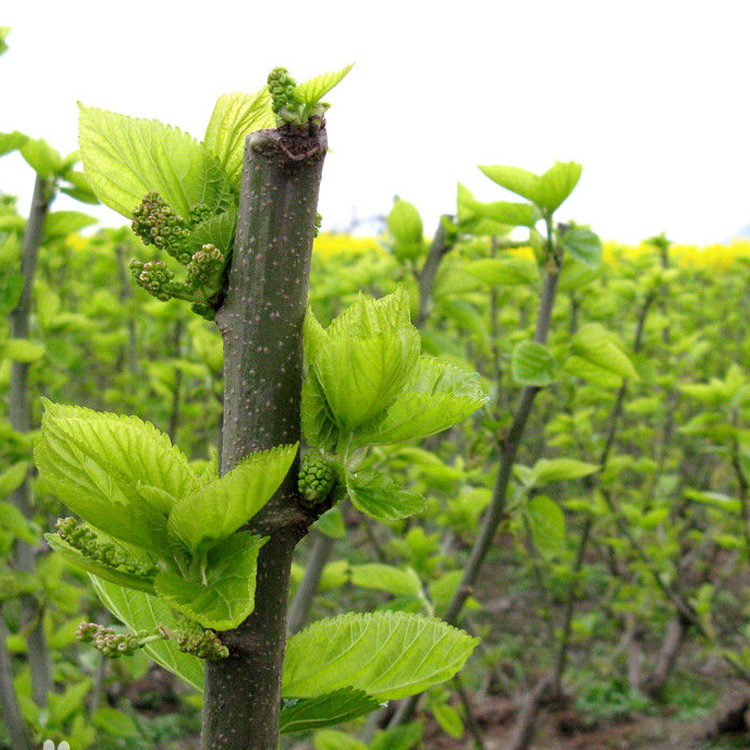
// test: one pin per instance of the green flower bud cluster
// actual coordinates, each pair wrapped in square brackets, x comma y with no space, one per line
[109,642]
[283,89]
[317,478]
[157,224]
[205,269]
[289,107]
[204,644]
[318,223]
[154,277]
[198,213]
[87,543]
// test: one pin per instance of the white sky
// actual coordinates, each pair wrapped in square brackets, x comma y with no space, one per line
[651,97]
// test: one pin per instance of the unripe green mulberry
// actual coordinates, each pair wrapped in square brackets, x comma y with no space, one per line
[156,223]
[283,89]
[317,477]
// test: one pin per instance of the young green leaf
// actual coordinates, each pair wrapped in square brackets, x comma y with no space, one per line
[437,396]
[226,595]
[331,739]
[510,214]
[318,427]
[140,611]
[532,364]
[547,191]
[404,737]
[235,116]
[379,496]
[312,91]
[547,470]
[547,524]
[517,180]
[15,523]
[557,183]
[41,157]
[95,461]
[217,509]
[503,271]
[22,350]
[326,710]
[11,141]
[405,227]
[362,376]
[601,348]
[63,223]
[582,245]
[125,158]
[396,581]
[389,655]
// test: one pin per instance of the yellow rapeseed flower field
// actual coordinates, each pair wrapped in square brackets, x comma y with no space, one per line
[716,256]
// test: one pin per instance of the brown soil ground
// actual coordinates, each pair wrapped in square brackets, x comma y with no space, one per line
[727,727]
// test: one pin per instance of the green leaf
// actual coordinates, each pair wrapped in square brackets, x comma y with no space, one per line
[396,581]
[510,214]
[326,710]
[437,396]
[227,594]
[547,470]
[381,497]
[13,521]
[99,569]
[503,271]
[405,226]
[583,245]
[63,223]
[315,89]
[4,31]
[517,180]
[113,722]
[235,116]
[11,141]
[140,611]
[547,523]
[389,655]
[217,509]
[95,461]
[63,705]
[557,183]
[43,159]
[218,230]
[318,427]
[125,158]
[533,364]
[22,350]
[404,737]
[78,187]
[10,291]
[13,477]
[331,523]
[449,719]
[330,739]
[597,346]
[362,376]
[547,191]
